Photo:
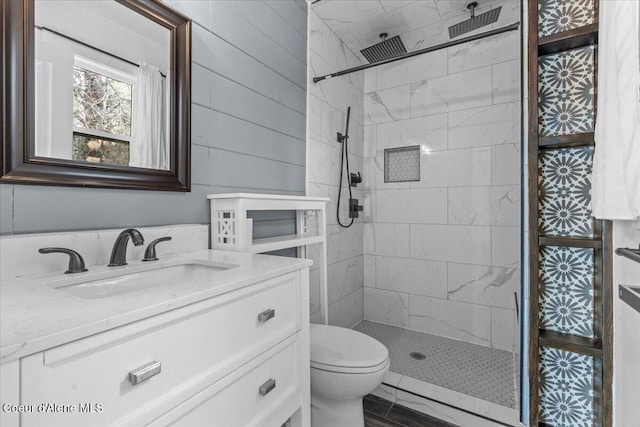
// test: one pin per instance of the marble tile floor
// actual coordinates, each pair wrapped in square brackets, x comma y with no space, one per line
[482,372]
[379,412]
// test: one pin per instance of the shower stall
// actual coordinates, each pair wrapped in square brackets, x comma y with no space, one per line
[432,266]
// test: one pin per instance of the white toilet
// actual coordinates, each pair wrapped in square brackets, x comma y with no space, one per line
[346,365]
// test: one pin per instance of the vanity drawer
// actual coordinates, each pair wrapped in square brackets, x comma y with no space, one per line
[195,346]
[249,396]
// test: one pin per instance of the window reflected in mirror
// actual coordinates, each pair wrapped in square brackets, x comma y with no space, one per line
[101,86]
[101,117]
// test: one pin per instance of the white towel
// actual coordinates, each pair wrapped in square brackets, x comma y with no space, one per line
[616,166]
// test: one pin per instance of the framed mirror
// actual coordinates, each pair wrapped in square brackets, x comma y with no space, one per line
[96,94]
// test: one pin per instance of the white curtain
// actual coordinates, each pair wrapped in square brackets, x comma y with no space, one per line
[616,166]
[149,147]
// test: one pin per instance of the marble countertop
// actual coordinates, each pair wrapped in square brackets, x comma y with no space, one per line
[35,316]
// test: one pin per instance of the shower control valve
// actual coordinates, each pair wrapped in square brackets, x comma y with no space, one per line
[355,179]
[354,208]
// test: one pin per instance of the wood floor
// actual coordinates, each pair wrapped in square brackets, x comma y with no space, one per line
[379,412]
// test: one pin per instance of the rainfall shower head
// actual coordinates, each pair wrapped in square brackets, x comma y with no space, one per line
[386,49]
[474,22]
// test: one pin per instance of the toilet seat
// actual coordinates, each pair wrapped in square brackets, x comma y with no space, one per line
[344,350]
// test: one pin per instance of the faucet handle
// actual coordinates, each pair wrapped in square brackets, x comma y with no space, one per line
[76,263]
[150,252]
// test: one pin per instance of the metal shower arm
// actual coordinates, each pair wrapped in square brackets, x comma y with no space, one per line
[472,8]
[511,27]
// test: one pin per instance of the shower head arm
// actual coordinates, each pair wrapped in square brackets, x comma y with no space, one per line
[472,8]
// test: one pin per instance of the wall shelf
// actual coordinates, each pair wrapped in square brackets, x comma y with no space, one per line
[232,230]
[564,141]
[573,242]
[571,343]
[572,39]
[283,242]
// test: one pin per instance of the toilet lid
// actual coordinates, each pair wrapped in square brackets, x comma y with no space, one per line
[334,348]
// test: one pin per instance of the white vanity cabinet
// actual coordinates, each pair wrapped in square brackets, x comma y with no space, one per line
[237,359]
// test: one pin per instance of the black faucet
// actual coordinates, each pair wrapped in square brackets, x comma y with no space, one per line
[119,252]
[76,263]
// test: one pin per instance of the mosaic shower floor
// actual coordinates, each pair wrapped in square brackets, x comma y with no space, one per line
[482,372]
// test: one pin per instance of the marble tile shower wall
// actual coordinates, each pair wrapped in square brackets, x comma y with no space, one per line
[442,255]
[327,108]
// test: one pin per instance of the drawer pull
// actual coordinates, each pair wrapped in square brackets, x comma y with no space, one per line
[267,387]
[144,372]
[266,315]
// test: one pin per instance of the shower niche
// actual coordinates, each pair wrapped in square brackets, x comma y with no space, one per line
[402,164]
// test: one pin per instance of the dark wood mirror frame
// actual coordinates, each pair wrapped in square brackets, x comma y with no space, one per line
[20,165]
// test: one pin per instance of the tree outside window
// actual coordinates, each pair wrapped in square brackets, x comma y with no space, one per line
[102,117]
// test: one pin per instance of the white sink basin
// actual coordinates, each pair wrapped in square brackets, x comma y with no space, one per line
[123,282]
